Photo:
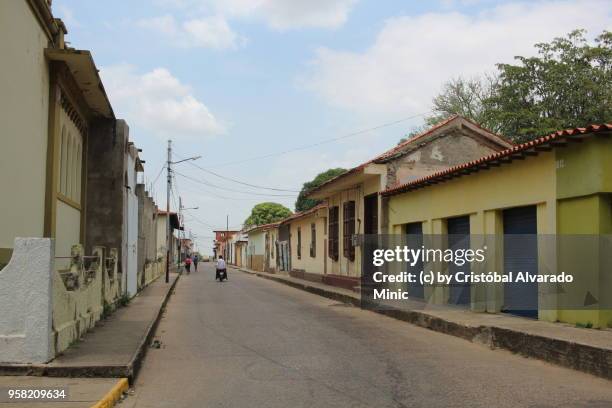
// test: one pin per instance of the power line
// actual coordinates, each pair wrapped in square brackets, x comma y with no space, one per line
[309,146]
[208,224]
[229,189]
[244,183]
[326,141]
[214,194]
[158,174]
[239,181]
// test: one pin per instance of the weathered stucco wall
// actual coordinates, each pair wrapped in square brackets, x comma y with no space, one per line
[450,149]
[147,234]
[24,122]
[26,303]
[105,185]
[77,309]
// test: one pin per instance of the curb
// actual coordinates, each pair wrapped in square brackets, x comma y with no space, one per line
[113,395]
[136,361]
[568,354]
[129,370]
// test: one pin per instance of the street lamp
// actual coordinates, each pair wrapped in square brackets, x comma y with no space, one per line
[168,189]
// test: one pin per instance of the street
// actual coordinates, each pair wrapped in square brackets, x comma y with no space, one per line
[250,342]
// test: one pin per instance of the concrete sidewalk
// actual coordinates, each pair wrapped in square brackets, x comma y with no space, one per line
[80,392]
[586,350]
[115,347]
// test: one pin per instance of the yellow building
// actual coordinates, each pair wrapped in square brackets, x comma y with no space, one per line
[354,205]
[557,188]
[308,243]
[51,103]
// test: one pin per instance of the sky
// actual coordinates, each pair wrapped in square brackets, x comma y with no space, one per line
[249,85]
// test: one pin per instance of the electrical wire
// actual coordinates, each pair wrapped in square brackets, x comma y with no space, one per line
[326,141]
[295,149]
[214,194]
[229,189]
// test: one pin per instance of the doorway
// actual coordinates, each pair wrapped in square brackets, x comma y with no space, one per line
[521,255]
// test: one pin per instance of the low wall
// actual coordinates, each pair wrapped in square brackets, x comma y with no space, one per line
[152,271]
[26,301]
[42,310]
[77,298]
[111,280]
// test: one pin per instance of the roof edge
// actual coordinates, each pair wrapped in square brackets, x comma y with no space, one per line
[460,169]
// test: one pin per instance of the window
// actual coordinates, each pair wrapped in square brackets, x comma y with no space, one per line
[71,160]
[348,230]
[334,227]
[299,243]
[313,240]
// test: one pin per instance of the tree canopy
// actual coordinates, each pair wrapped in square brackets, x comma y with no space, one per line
[567,84]
[303,203]
[265,213]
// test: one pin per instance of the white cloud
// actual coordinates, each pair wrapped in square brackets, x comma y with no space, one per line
[212,32]
[413,56]
[208,32]
[159,103]
[288,14]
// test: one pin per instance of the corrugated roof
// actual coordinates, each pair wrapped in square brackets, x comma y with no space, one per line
[504,156]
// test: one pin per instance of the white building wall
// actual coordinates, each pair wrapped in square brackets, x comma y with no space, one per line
[131,242]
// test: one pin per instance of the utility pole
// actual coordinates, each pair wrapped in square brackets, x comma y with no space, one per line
[168,232]
[168,189]
[181,234]
[226,237]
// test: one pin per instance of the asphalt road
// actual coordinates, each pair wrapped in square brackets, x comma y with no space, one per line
[250,342]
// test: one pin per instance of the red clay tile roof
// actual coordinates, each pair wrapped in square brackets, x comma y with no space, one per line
[263,227]
[494,159]
[410,141]
[304,213]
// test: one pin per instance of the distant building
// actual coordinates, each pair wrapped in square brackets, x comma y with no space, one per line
[161,236]
[222,239]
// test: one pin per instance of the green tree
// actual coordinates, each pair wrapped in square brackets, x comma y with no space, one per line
[303,203]
[567,84]
[265,213]
[466,97]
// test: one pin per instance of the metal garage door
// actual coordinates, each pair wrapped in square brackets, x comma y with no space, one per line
[521,254]
[414,232]
[458,229]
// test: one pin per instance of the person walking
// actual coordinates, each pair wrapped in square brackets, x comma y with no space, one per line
[195,263]
[188,264]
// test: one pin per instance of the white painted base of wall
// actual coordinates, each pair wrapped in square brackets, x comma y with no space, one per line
[26,302]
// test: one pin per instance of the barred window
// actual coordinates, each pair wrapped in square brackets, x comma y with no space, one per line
[313,240]
[348,230]
[333,233]
[299,243]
